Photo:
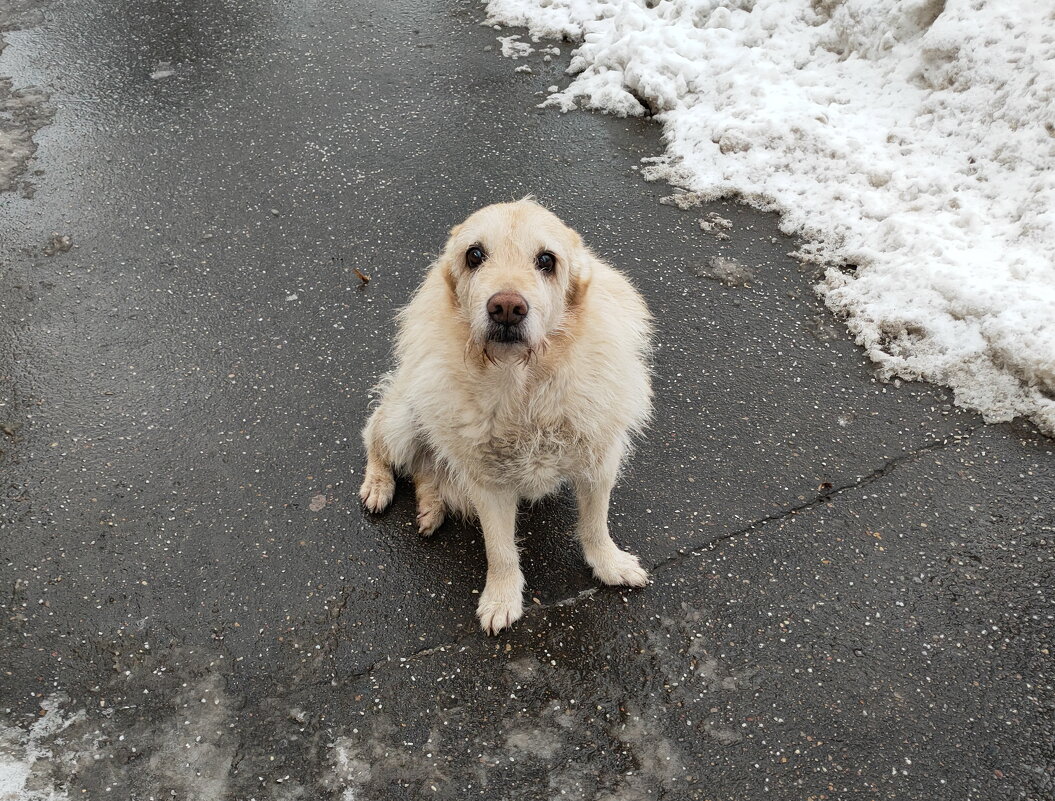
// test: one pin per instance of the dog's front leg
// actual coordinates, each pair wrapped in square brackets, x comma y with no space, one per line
[610,563]
[502,602]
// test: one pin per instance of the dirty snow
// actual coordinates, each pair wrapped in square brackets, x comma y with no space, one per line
[512,47]
[61,754]
[910,142]
[726,271]
[59,243]
[162,70]
[25,757]
[23,111]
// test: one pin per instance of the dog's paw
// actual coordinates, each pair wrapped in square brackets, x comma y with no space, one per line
[430,518]
[499,609]
[377,490]
[620,569]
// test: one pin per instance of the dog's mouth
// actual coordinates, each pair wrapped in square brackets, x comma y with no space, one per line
[510,343]
[504,334]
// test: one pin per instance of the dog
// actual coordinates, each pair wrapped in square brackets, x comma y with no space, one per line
[521,364]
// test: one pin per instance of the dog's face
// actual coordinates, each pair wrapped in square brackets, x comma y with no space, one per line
[515,273]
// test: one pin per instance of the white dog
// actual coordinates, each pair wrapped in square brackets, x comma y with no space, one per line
[521,364]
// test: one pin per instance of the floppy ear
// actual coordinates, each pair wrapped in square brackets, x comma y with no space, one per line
[451,281]
[580,276]
[445,264]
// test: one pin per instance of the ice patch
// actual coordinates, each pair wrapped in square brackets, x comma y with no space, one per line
[727,271]
[193,751]
[187,753]
[367,763]
[349,767]
[25,755]
[162,70]
[538,742]
[23,111]
[913,139]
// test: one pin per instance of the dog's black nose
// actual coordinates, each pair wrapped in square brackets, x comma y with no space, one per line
[507,308]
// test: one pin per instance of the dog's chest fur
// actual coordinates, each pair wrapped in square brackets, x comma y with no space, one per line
[535,461]
[526,442]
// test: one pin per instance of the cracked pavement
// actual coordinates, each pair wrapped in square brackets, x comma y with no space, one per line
[852,579]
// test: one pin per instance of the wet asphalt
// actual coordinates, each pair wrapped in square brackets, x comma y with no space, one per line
[852,590]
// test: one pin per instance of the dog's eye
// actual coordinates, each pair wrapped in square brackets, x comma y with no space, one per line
[546,262]
[474,257]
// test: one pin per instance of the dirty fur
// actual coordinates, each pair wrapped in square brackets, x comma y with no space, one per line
[481,425]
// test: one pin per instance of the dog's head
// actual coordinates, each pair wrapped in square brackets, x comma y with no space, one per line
[515,273]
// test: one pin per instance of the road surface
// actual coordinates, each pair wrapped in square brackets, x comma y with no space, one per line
[852,590]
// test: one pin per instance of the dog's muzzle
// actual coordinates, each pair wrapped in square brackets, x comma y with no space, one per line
[507,334]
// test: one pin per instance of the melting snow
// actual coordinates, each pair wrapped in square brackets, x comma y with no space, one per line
[59,755]
[727,271]
[911,139]
[512,47]
[22,111]
[162,70]
[25,755]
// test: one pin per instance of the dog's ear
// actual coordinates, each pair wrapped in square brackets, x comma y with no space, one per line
[579,278]
[455,230]
[452,284]
[445,265]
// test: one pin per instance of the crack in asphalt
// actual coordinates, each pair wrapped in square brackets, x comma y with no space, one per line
[693,551]
[820,499]
[333,639]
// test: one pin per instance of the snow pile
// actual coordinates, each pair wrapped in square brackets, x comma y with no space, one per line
[911,139]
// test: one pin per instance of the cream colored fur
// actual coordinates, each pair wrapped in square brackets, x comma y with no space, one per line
[480,425]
